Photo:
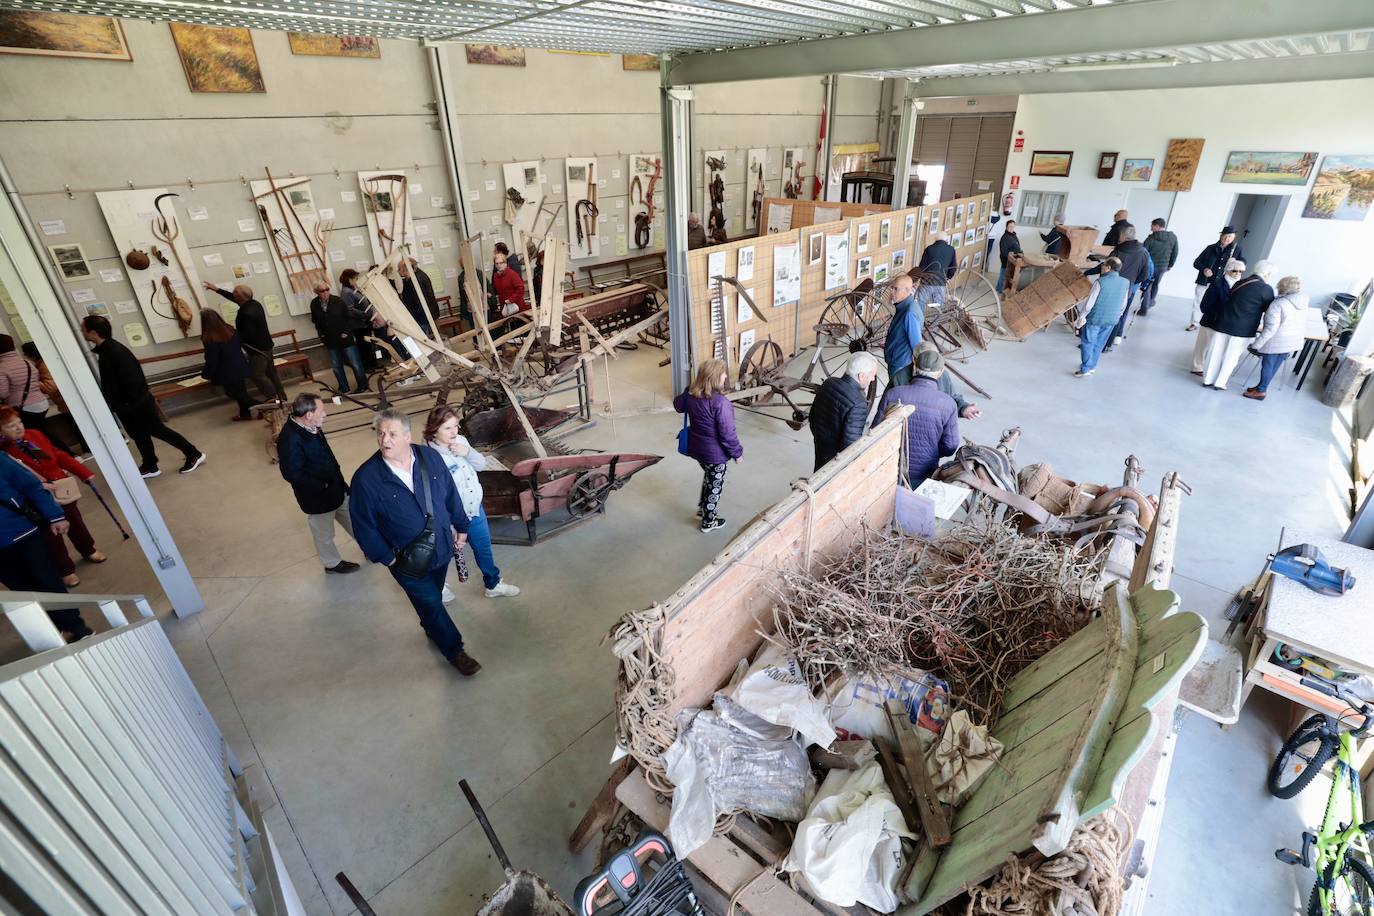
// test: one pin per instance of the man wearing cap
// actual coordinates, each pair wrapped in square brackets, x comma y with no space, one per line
[1209,265]
[933,427]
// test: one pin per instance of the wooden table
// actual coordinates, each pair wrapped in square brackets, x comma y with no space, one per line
[1316,334]
[1333,628]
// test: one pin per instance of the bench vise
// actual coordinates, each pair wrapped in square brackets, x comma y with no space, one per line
[1305,564]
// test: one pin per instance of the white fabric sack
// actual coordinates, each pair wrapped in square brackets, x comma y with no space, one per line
[849,848]
[775,690]
[694,814]
[857,704]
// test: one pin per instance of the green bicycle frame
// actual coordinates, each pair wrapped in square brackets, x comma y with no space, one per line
[1333,840]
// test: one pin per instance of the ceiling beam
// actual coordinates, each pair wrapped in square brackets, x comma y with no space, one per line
[1131,26]
[1220,73]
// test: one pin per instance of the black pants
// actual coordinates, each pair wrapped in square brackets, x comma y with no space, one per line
[712,483]
[26,567]
[263,372]
[1151,291]
[143,425]
[238,393]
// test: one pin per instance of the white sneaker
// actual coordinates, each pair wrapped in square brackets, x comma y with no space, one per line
[503,590]
[447,596]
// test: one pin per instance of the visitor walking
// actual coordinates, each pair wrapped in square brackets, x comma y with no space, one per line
[932,429]
[1162,246]
[1210,263]
[307,463]
[711,437]
[840,408]
[1097,316]
[1236,323]
[1219,290]
[225,364]
[1284,331]
[250,320]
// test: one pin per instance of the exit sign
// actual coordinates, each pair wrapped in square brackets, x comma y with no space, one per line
[1019,145]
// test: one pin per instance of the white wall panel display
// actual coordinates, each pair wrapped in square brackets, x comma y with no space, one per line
[713,200]
[756,187]
[646,170]
[524,194]
[582,176]
[386,204]
[793,162]
[148,231]
[296,236]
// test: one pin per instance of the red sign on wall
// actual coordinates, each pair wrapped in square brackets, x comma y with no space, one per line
[1015,181]
[1019,145]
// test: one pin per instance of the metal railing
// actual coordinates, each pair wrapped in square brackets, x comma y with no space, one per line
[118,793]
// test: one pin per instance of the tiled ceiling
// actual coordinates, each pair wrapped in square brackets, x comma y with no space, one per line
[632,26]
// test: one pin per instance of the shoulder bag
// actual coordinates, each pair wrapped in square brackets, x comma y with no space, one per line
[66,489]
[415,559]
[683,435]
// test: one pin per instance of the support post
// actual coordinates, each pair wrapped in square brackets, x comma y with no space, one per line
[674,111]
[27,276]
[906,139]
[824,164]
[448,131]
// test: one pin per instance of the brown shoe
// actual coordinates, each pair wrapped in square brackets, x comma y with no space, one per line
[467,665]
[1255,394]
[1194,372]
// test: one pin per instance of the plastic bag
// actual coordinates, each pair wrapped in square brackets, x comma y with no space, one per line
[774,689]
[857,704]
[849,848]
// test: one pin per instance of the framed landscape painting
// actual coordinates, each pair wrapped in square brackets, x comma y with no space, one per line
[318,44]
[1344,189]
[1138,170]
[62,35]
[639,62]
[217,59]
[1051,163]
[499,55]
[1269,168]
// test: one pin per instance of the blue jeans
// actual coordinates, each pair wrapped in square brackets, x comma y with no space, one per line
[1120,328]
[1001,277]
[425,594]
[479,539]
[336,362]
[1092,339]
[1269,367]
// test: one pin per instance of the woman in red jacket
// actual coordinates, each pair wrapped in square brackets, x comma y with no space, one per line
[32,449]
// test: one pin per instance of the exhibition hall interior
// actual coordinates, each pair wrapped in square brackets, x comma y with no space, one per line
[360,363]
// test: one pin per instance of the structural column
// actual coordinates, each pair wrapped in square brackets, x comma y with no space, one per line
[906,140]
[25,275]
[824,159]
[452,142]
[675,111]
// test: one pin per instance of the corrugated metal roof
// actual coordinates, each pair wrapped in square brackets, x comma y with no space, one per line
[629,26]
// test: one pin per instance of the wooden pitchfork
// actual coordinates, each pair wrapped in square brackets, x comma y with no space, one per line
[165,229]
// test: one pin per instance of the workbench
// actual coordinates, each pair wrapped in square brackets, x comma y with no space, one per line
[1335,628]
[1315,337]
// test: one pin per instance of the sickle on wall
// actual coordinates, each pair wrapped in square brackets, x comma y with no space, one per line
[166,230]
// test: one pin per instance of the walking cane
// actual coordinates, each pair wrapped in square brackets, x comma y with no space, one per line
[109,510]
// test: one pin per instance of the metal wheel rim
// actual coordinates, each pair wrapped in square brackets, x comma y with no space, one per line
[587,495]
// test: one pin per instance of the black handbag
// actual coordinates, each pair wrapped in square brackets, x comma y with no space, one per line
[415,559]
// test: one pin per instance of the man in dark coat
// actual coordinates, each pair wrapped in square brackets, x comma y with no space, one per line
[1009,245]
[1162,246]
[334,321]
[1119,222]
[307,463]
[126,391]
[939,261]
[251,322]
[1235,323]
[1211,263]
[1136,268]
[840,408]
[933,427]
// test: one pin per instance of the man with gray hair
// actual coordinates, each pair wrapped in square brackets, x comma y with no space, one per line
[939,260]
[933,427]
[840,409]
[1235,323]
[696,233]
[250,320]
[307,463]
[407,515]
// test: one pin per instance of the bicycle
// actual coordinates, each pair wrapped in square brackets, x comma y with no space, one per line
[1338,851]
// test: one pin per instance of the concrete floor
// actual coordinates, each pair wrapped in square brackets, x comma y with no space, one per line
[355,733]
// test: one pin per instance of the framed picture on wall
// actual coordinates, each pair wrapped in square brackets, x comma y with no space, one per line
[1106,165]
[865,268]
[909,227]
[62,35]
[861,245]
[70,261]
[899,259]
[815,249]
[934,222]
[885,233]
[1269,168]
[1051,163]
[1138,170]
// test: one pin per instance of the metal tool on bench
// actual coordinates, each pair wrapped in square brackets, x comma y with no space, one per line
[625,887]
[1306,565]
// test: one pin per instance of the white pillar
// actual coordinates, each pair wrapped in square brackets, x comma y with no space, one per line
[441,79]
[906,140]
[825,163]
[26,276]
[674,110]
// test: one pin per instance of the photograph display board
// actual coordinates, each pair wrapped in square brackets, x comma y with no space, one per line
[140,222]
[295,236]
[584,240]
[386,205]
[804,212]
[646,171]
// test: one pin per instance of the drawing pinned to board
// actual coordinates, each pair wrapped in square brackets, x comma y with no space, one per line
[779,218]
[880,273]
[745,271]
[217,59]
[836,261]
[958,217]
[786,274]
[1344,189]
[885,233]
[815,249]
[934,221]
[70,261]
[970,236]
[898,259]
[861,241]
[864,268]
[909,227]
[746,340]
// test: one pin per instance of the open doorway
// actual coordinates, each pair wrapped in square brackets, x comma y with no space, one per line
[1256,218]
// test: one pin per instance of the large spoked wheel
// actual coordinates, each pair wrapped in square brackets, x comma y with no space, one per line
[1352,890]
[762,365]
[588,494]
[969,319]
[1302,757]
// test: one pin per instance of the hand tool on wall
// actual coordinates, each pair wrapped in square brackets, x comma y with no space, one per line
[757,203]
[166,230]
[586,211]
[177,309]
[715,223]
[644,221]
[792,188]
[397,191]
[137,259]
[292,242]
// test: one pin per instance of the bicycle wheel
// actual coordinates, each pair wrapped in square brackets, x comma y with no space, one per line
[1302,757]
[1352,891]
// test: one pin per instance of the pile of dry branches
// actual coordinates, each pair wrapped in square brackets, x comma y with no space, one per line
[975,606]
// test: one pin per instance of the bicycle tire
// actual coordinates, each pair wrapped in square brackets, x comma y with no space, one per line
[1362,889]
[1314,728]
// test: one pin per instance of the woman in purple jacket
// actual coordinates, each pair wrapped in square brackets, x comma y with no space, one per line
[711,438]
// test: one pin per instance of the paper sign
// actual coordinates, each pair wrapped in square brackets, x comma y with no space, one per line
[126,306]
[213,260]
[326,213]
[543,179]
[111,275]
[135,335]
[356,241]
[53,226]
[745,272]
[254,247]
[436,202]
[197,213]
[558,189]
[426,259]
[336,255]
[947,496]
[360,266]
[271,304]
[496,220]
[489,185]
[445,242]
[422,229]
[262,267]
[247,225]
[451,273]
[83,295]
[619,202]
[743,312]
[348,197]
[601,182]
[437,283]
[417,188]
[474,196]
[615,173]
[621,246]
[242,271]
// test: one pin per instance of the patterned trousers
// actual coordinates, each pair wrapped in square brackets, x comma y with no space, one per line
[712,482]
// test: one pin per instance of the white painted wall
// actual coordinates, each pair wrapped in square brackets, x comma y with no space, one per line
[1329,255]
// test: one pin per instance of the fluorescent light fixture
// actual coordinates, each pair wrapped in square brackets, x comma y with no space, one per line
[1116,65]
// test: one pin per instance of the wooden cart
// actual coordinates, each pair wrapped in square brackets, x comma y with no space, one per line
[713,621]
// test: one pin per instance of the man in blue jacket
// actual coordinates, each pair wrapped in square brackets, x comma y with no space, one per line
[24,562]
[388,508]
[307,463]
[907,327]
[933,427]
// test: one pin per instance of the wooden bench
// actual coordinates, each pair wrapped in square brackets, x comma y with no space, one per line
[650,267]
[186,380]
